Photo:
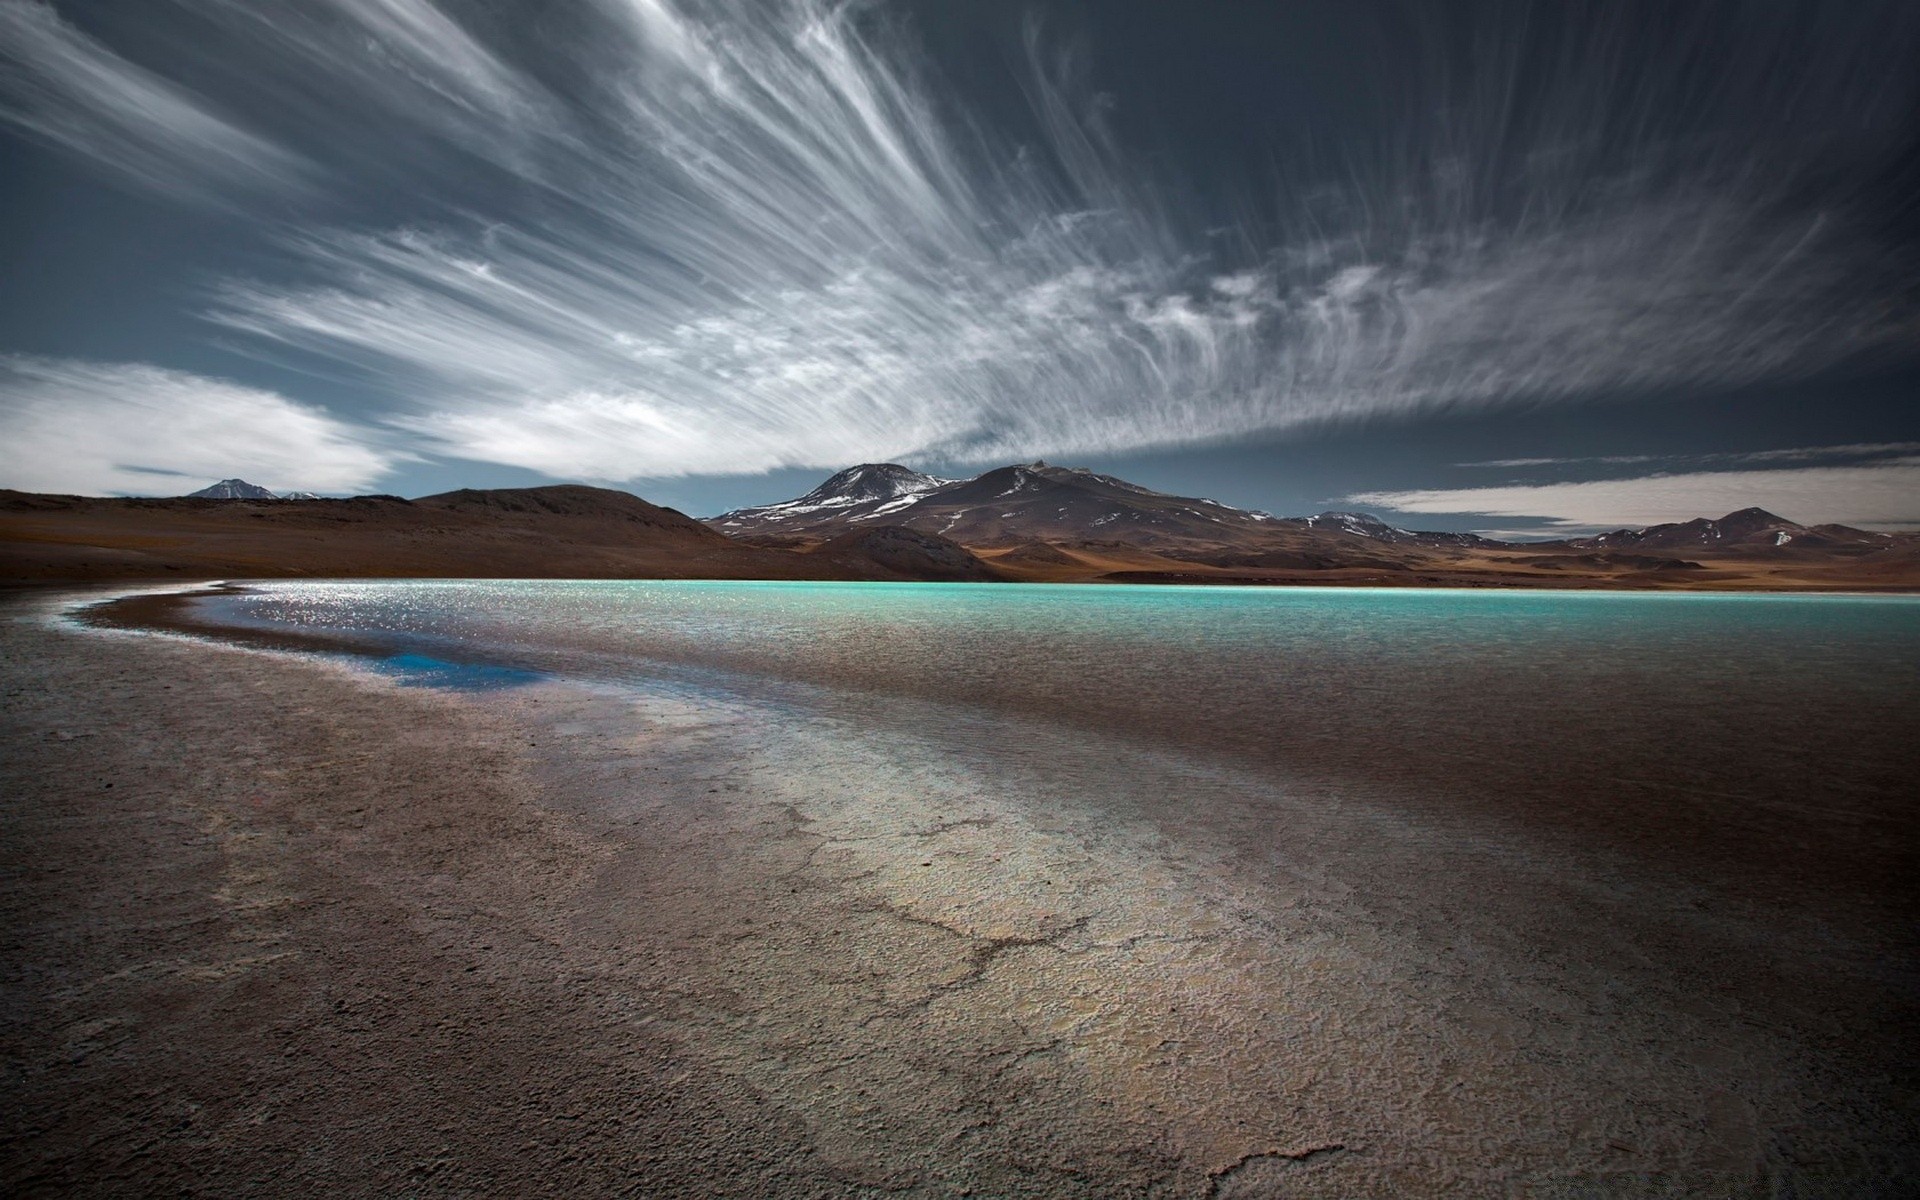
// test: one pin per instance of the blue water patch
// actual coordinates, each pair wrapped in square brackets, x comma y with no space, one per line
[420,670]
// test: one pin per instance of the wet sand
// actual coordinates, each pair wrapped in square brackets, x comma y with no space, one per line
[274,924]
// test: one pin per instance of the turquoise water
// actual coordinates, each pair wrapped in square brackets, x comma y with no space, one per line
[421,670]
[1766,737]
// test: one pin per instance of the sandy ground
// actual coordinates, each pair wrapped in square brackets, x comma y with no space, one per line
[275,926]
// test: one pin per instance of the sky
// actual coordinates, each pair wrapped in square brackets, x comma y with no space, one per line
[1522,268]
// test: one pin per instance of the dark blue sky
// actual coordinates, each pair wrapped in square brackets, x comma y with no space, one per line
[1500,266]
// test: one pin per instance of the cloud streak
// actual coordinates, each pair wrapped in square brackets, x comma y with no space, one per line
[72,91]
[731,236]
[1854,450]
[114,428]
[1882,496]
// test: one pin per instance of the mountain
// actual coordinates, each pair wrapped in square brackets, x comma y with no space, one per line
[1036,521]
[561,532]
[1000,509]
[870,482]
[1367,525]
[232,489]
[1363,524]
[859,493]
[576,502]
[1747,531]
[1028,522]
[1016,508]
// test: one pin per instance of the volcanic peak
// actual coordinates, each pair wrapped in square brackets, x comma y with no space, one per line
[234,489]
[870,481]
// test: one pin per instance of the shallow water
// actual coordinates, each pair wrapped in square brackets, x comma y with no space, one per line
[1768,740]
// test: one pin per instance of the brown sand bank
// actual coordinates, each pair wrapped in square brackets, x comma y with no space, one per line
[273,926]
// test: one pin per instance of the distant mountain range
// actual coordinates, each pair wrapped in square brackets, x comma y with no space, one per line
[1036,520]
[1750,529]
[882,521]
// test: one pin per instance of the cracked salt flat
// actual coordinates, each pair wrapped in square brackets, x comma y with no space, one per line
[961,939]
[953,940]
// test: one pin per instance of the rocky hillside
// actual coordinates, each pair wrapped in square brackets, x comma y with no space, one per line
[1038,521]
[237,489]
[1750,530]
[565,532]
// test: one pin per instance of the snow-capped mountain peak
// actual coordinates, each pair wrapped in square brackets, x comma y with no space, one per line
[871,481]
[1362,524]
[232,489]
[878,488]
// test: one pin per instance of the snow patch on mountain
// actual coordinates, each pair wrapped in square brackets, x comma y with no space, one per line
[889,485]
[235,489]
[1358,523]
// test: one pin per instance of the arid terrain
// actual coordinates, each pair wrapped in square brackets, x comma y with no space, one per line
[561,532]
[1026,524]
[1059,524]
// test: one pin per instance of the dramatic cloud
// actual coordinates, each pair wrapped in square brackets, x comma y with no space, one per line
[731,236]
[1882,496]
[72,91]
[106,429]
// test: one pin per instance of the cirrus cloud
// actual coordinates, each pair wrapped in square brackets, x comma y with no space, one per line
[71,90]
[1880,496]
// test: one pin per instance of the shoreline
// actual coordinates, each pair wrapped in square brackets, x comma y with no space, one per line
[720,956]
[173,612]
[33,584]
[177,591]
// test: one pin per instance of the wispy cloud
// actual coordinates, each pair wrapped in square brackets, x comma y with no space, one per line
[114,428]
[74,92]
[1850,451]
[1867,450]
[1562,462]
[744,235]
[1882,496]
[373,85]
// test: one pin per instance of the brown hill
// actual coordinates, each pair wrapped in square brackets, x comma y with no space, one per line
[893,551]
[566,500]
[557,532]
[1035,521]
